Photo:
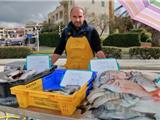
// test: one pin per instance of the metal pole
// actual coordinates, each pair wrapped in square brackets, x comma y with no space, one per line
[37,36]
[37,40]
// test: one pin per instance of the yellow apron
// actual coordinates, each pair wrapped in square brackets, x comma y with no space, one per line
[78,52]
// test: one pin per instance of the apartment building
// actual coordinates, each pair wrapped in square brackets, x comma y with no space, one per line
[7,33]
[97,12]
[10,33]
[2,33]
[57,16]
[20,32]
[31,27]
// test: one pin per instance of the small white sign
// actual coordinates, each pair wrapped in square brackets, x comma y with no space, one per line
[76,77]
[101,65]
[38,63]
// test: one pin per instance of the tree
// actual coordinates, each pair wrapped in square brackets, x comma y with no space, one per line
[155,35]
[135,25]
[103,22]
[99,21]
[121,24]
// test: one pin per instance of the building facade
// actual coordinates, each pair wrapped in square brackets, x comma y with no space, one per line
[97,13]
[57,16]
[2,33]
[32,27]
[9,33]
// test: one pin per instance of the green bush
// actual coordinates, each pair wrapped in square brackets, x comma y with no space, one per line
[145,53]
[122,40]
[144,36]
[49,39]
[112,52]
[15,52]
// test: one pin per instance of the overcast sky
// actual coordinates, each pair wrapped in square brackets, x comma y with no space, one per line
[19,12]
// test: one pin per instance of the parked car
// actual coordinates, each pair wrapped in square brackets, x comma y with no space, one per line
[2,42]
[16,42]
[13,42]
[8,42]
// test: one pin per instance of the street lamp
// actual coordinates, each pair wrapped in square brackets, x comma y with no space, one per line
[37,36]
[37,39]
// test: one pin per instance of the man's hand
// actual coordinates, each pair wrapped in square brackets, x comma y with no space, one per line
[55,58]
[100,54]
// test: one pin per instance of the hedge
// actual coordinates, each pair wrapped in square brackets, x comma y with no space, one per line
[123,40]
[49,39]
[15,52]
[112,52]
[145,37]
[145,53]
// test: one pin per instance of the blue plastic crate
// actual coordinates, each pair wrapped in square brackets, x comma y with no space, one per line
[90,86]
[53,80]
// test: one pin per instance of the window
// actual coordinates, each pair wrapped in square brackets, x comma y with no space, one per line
[57,16]
[102,3]
[49,21]
[93,14]
[53,18]
[61,15]
[70,2]
[93,1]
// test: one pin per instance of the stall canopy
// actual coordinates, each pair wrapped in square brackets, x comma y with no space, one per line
[144,11]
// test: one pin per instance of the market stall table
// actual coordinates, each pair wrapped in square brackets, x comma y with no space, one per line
[38,113]
[45,114]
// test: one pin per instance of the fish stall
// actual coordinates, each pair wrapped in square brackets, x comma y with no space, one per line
[110,90]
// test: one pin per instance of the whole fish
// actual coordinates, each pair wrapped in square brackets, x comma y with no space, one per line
[129,100]
[27,74]
[112,75]
[4,78]
[113,110]
[105,98]
[150,75]
[125,86]
[147,106]
[138,78]
[95,94]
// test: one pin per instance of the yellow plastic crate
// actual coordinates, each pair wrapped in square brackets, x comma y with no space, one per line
[32,94]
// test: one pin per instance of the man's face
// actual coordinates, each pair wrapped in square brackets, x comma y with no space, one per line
[77,17]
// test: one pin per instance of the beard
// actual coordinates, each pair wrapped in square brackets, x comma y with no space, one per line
[77,24]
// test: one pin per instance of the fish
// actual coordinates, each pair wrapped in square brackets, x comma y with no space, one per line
[88,116]
[142,118]
[27,74]
[157,82]
[138,78]
[69,89]
[129,100]
[4,78]
[105,98]
[119,96]
[110,75]
[95,94]
[125,86]
[150,75]
[113,110]
[147,105]
[14,75]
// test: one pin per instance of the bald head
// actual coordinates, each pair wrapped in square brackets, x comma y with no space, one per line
[76,8]
[77,16]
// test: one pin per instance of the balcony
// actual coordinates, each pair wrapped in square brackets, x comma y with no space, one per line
[63,2]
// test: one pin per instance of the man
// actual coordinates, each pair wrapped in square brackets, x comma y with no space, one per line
[80,41]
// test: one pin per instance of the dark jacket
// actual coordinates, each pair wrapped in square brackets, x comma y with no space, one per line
[85,30]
